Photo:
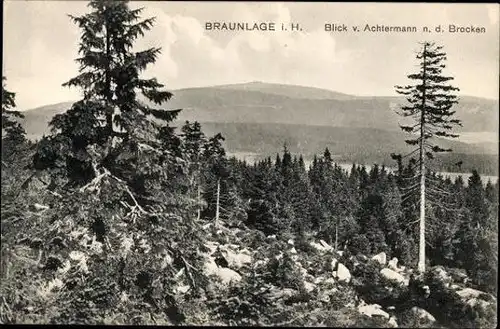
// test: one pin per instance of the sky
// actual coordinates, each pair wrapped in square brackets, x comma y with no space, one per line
[40,45]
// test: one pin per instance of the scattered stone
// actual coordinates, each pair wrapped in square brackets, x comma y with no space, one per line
[442,274]
[227,275]
[318,246]
[40,207]
[423,314]
[182,289]
[281,293]
[468,293]
[343,273]
[326,245]
[293,250]
[392,322]
[393,264]
[381,258]
[329,281]
[333,264]
[291,242]
[236,260]
[309,286]
[271,236]
[341,253]
[475,301]
[373,309]
[427,291]
[393,276]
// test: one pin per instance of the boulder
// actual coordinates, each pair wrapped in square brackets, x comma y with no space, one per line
[333,264]
[373,309]
[393,275]
[309,286]
[236,260]
[181,289]
[227,275]
[281,293]
[392,322]
[423,314]
[40,207]
[210,267]
[381,258]
[343,273]
[393,264]
[469,293]
[318,246]
[476,301]
[442,274]
[326,245]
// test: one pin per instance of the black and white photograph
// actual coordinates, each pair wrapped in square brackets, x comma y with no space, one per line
[250,163]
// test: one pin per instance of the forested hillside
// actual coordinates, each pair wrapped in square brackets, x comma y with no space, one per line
[120,216]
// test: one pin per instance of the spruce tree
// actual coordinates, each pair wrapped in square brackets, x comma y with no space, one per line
[110,115]
[429,104]
[11,129]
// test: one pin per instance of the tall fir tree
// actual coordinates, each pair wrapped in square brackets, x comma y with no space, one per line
[429,104]
[12,130]
[110,115]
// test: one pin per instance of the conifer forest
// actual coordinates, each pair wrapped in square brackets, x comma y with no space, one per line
[119,216]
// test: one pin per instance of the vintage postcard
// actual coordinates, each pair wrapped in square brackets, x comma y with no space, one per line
[250,163]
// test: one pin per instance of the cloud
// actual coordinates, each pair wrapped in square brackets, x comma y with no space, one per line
[40,44]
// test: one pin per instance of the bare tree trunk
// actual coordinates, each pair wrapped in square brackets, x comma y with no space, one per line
[198,199]
[421,252]
[336,235]
[217,203]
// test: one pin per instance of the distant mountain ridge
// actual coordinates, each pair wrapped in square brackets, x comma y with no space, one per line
[260,117]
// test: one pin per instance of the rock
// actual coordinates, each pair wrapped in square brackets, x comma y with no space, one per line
[182,289]
[455,287]
[393,275]
[271,236]
[401,269]
[279,256]
[373,309]
[391,308]
[318,246]
[427,291]
[236,260]
[343,273]
[326,245]
[333,264]
[340,253]
[212,246]
[40,207]
[227,275]
[329,281]
[381,258]
[281,293]
[442,275]
[293,251]
[475,301]
[393,264]
[458,275]
[392,322]
[246,252]
[290,242]
[309,286]
[468,293]
[422,314]
[210,267]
